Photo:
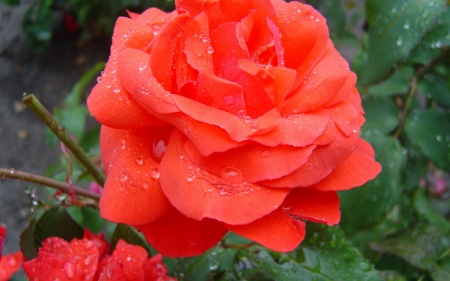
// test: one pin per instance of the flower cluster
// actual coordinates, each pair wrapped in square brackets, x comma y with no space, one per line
[87,259]
[227,115]
[10,263]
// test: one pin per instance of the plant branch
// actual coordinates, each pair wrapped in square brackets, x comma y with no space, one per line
[33,103]
[65,187]
[411,94]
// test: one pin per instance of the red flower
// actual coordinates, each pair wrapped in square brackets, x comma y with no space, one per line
[85,259]
[11,263]
[227,115]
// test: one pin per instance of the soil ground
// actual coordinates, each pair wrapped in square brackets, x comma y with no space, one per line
[49,76]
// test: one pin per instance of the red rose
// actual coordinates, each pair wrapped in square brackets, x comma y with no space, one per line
[86,259]
[227,115]
[10,263]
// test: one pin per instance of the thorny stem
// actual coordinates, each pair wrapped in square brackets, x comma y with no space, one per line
[65,187]
[413,88]
[33,103]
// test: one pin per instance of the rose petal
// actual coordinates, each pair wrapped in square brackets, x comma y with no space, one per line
[197,47]
[313,205]
[302,46]
[359,168]
[225,198]
[132,193]
[109,102]
[89,257]
[344,116]
[10,264]
[321,162]
[162,54]
[297,130]
[327,78]
[178,236]
[256,162]
[276,231]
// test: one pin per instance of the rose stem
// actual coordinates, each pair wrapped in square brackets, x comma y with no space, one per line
[65,187]
[33,103]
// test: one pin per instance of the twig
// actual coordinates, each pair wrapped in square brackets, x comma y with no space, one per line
[33,103]
[65,187]
[411,94]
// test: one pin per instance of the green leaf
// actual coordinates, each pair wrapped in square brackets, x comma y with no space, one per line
[129,235]
[86,217]
[11,2]
[368,205]
[205,267]
[421,246]
[425,210]
[435,87]
[74,97]
[395,28]
[439,37]
[56,222]
[324,255]
[429,131]
[90,142]
[383,123]
[398,83]
[27,244]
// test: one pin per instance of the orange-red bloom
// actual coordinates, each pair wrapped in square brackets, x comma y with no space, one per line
[86,259]
[227,115]
[10,263]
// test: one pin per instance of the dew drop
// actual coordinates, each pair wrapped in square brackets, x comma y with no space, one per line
[11,261]
[399,41]
[254,126]
[190,177]
[286,208]
[210,50]
[69,269]
[228,99]
[241,113]
[116,89]
[142,66]
[89,259]
[159,147]
[247,118]
[180,156]
[214,265]
[99,79]
[154,174]
[231,175]
[88,245]
[265,153]
[139,161]
[123,177]
[223,191]
[144,185]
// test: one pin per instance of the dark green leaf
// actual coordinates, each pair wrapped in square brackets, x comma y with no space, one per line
[375,121]
[206,266]
[11,2]
[324,255]
[439,37]
[27,244]
[420,246]
[56,222]
[435,87]
[368,205]
[395,28]
[86,217]
[398,83]
[335,15]
[429,131]
[129,235]
[425,210]
[90,141]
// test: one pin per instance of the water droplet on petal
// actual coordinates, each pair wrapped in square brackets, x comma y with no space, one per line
[123,177]
[155,174]
[223,191]
[210,50]
[190,177]
[231,175]
[89,259]
[247,118]
[69,269]
[142,66]
[228,99]
[159,147]
[139,161]
[144,185]
[265,153]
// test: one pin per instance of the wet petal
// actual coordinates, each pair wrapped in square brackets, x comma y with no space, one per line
[132,193]
[313,205]
[175,235]
[10,264]
[359,168]
[256,162]
[321,162]
[200,194]
[277,231]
